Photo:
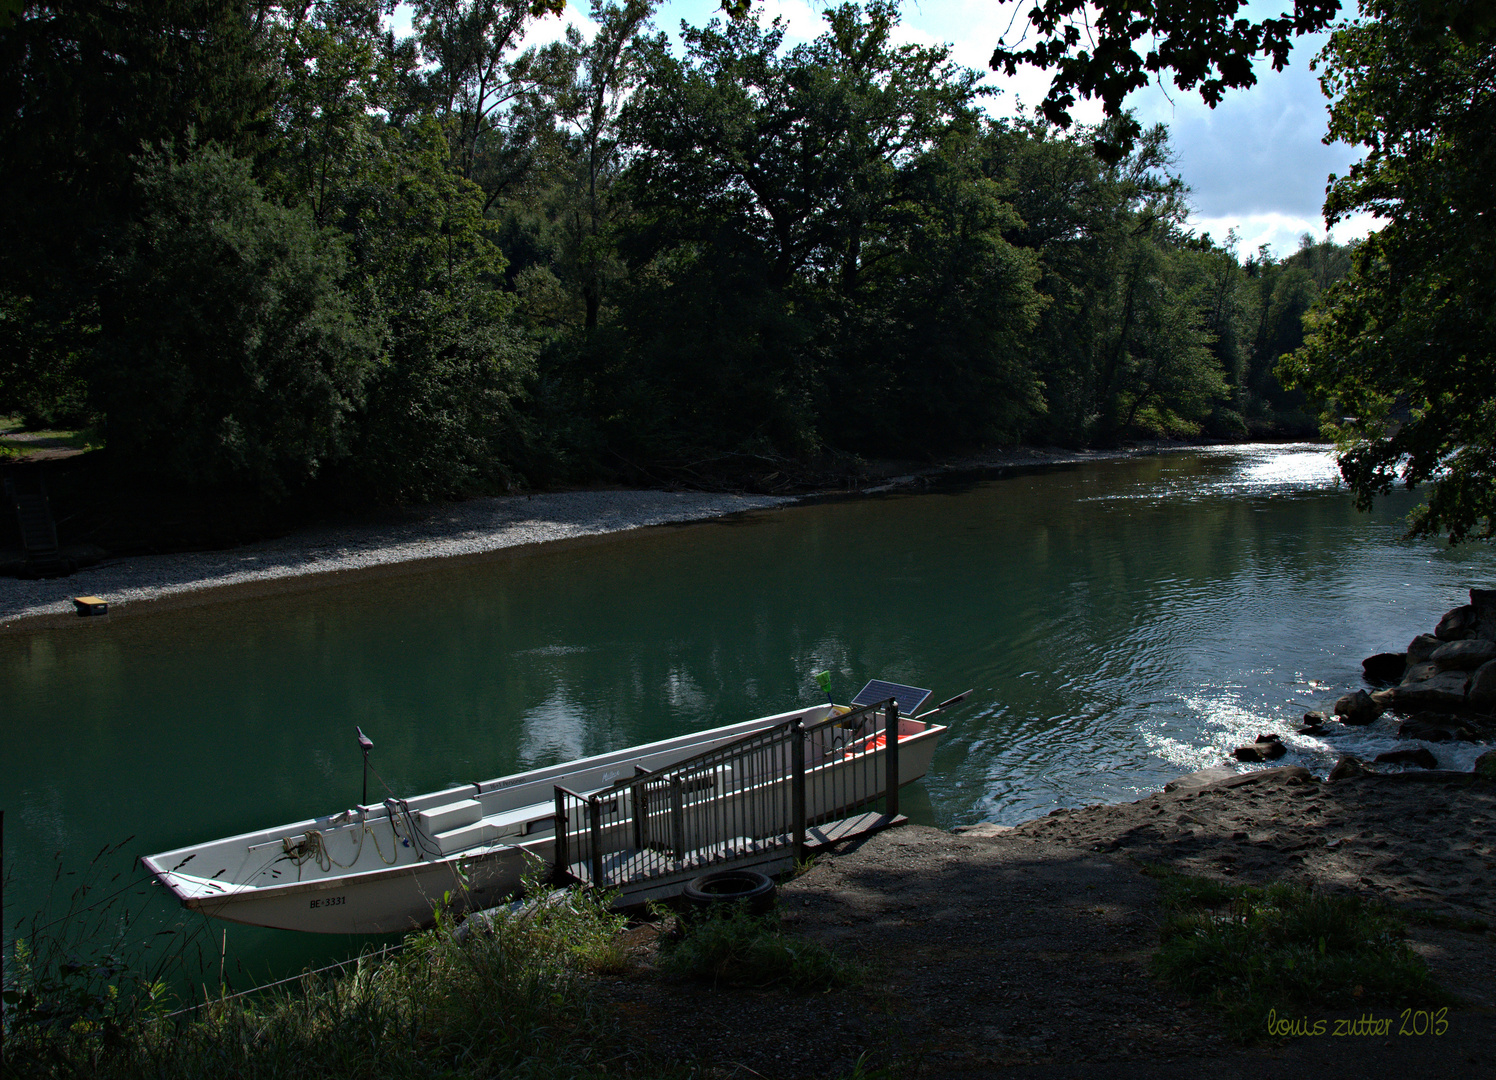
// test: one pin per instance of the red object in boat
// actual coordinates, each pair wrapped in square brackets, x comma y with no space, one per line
[871,743]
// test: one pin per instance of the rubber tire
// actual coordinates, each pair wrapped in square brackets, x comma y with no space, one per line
[722,888]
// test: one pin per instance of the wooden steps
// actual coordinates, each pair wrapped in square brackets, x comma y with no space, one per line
[38,531]
[818,837]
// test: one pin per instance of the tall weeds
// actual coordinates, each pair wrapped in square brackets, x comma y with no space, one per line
[502,996]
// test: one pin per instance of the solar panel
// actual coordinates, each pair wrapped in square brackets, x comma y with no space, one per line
[910,698]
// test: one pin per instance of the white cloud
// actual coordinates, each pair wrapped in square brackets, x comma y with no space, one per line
[1280,232]
[541,31]
[551,28]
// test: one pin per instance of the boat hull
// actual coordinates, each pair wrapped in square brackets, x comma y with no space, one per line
[383,904]
[402,892]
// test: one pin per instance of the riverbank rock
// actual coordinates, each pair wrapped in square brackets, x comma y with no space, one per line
[1266,748]
[1347,768]
[1438,727]
[1384,668]
[1430,727]
[1442,690]
[1484,603]
[1422,757]
[1482,689]
[1419,672]
[1421,648]
[1314,723]
[1464,655]
[1485,765]
[1358,708]
[1457,624]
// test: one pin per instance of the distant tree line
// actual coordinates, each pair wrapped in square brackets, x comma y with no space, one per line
[267,245]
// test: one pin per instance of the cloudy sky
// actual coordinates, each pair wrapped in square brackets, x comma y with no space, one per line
[1256,163]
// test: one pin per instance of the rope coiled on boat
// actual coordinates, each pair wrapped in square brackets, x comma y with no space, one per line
[313,847]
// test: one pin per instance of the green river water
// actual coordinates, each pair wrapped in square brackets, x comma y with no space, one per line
[1120,622]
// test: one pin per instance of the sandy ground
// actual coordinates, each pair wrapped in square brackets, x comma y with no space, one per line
[1023,952]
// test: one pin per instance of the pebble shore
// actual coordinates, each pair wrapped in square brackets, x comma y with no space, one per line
[475,527]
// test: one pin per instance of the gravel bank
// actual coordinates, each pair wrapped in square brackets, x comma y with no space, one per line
[476,527]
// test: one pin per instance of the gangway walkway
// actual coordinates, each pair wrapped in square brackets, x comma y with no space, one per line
[763,801]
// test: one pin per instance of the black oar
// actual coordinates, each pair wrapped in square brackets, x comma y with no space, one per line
[947,703]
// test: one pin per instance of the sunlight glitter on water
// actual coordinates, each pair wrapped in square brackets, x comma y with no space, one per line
[1276,469]
[1245,471]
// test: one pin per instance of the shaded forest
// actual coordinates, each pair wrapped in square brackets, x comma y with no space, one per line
[270,249]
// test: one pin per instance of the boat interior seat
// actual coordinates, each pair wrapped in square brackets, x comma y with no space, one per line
[440,819]
[465,837]
[511,823]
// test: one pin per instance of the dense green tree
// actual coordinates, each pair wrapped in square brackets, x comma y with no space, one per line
[1277,295]
[814,186]
[440,414]
[332,76]
[1404,349]
[590,157]
[228,350]
[1123,345]
[469,70]
[808,151]
[259,264]
[1225,304]
[940,331]
[83,86]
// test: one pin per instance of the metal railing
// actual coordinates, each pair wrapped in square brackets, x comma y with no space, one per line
[751,800]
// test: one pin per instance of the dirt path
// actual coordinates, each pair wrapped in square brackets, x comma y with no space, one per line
[1023,953]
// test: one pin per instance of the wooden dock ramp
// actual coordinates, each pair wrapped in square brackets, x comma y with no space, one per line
[762,802]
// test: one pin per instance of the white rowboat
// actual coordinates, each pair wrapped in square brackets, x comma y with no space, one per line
[383,868]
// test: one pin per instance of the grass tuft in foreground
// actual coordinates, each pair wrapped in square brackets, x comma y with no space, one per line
[737,948]
[505,997]
[1248,950]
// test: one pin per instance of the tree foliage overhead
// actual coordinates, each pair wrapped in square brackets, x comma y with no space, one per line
[1404,349]
[1107,50]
